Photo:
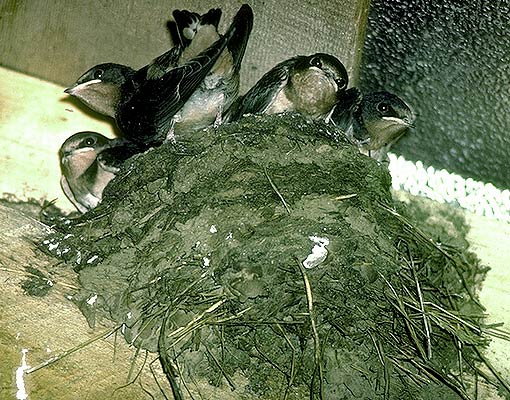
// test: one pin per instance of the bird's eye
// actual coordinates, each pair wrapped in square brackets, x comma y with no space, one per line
[341,84]
[98,74]
[89,142]
[316,62]
[383,107]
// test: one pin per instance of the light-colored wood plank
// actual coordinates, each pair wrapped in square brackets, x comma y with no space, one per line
[490,240]
[47,326]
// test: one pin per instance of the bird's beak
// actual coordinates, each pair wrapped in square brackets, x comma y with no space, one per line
[399,121]
[79,87]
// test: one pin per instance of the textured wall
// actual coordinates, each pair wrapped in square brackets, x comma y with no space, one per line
[58,40]
[451,61]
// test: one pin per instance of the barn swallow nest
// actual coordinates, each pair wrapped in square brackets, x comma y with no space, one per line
[271,259]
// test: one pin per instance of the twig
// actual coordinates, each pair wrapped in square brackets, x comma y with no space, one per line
[382,357]
[346,196]
[429,241]
[222,370]
[66,353]
[460,358]
[166,362]
[498,376]
[400,307]
[292,362]
[477,329]
[129,380]
[276,191]
[195,323]
[422,307]
[316,340]
[156,378]
[432,373]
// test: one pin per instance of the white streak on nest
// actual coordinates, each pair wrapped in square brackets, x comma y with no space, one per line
[319,252]
[213,229]
[206,261]
[129,315]
[92,259]
[21,393]
[52,246]
[92,299]
[69,235]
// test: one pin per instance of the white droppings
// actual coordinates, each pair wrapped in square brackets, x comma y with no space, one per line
[229,236]
[92,299]
[213,229]
[319,252]
[69,297]
[206,261]
[48,350]
[52,246]
[92,259]
[18,335]
[78,257]
[49,282]
[21,393]
[69,235]
[129,315]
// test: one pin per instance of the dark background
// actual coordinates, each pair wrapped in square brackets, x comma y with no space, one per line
[451,61]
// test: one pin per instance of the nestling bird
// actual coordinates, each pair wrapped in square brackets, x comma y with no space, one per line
[98,88]
[150,104]
[310,85]
[374,121]
[89,161]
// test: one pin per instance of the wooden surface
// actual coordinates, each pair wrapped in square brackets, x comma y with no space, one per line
[50,325]
[58,41]
[490,240]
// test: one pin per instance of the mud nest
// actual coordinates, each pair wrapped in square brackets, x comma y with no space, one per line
[269,256]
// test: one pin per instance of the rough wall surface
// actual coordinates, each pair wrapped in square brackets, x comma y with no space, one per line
[58,41]
[451,61]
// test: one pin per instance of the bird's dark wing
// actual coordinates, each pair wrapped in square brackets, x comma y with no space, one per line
[112,158]
[261,96]
[147,115]
[346,109]
[163,63]
[237,46]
